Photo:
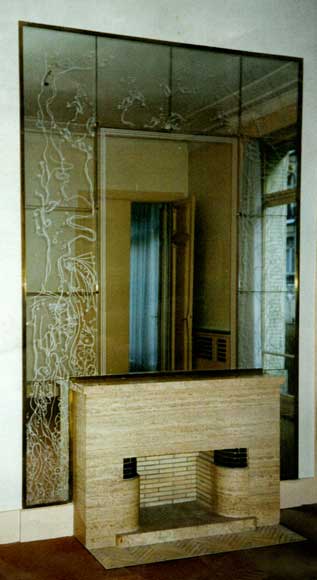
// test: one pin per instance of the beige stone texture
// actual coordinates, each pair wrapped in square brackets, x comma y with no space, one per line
[187,532]
[115,418]
[231,491]
[118,557]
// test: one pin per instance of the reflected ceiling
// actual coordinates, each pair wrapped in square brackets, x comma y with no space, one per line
[143,85]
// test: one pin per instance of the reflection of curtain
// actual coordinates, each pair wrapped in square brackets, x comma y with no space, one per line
[144,286]
[250,260]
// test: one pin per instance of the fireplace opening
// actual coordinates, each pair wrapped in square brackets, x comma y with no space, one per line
[189,494]
[212,478]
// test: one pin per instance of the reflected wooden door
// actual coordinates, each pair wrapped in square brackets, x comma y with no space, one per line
[182,267]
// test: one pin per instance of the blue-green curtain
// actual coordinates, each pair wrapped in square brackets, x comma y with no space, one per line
[144,287]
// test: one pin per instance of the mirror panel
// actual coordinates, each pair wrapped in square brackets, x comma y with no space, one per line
[208,142]
[269,96]
[205,91]
[133,89]
[60,228]
[268,225]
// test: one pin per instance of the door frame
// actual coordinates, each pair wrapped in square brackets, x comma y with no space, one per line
[103,134]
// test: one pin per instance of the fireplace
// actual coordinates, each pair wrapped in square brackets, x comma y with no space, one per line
[169,458]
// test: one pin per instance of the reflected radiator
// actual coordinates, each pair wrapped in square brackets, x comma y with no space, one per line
[211,349]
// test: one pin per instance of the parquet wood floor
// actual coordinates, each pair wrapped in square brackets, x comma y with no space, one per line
[66,559]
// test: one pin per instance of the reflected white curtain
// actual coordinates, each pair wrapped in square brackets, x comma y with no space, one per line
[250,260]
[144,287]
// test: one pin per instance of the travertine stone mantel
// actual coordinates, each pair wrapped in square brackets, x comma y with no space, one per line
[146,415]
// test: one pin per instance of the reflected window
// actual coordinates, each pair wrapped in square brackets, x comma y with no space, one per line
[280,301]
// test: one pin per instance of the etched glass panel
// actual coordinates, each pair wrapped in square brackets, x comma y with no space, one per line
[60,246]
[133,84]
[162,88]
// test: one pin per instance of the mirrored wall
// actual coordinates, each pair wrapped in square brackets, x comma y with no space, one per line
[160,223]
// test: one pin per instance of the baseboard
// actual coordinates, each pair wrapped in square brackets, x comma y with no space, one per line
[10,526]
[36,524]
[57,521]
[298,492]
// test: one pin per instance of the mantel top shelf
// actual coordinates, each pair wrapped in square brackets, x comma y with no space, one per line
[82,383]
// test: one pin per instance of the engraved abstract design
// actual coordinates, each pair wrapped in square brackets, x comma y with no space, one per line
[61,272]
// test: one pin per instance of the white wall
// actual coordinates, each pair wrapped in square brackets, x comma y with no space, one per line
[281,27]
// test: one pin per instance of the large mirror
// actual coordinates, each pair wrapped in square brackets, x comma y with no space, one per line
[160,200]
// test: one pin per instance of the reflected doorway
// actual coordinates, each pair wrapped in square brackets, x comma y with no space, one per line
[168,256]
[150,286]
[161,286]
